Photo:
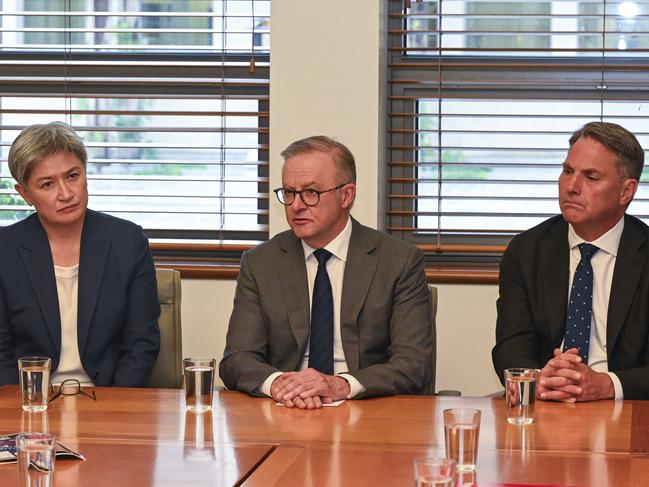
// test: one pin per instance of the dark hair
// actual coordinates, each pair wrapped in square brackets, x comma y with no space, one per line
[630,156]
[342,156]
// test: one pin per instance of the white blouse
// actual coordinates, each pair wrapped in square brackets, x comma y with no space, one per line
[67,286]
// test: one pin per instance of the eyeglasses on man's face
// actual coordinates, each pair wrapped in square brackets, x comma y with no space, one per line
[69,387]
[309,196]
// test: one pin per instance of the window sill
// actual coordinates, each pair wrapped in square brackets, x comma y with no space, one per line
[462,273]
[435,274]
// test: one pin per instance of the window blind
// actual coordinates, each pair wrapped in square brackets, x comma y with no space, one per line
[482,99]
[170,96]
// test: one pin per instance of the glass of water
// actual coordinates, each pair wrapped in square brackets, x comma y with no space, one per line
[461,433]
[199,383]
[435,472]
[34,375]
[36,454]
[520,394]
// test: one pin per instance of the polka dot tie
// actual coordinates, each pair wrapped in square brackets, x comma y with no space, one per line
[580,306]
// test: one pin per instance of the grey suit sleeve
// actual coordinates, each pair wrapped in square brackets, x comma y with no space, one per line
[244,365]
[411,347]
[516,340]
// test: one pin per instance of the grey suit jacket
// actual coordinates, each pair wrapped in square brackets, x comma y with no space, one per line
[387,334]
[532,307]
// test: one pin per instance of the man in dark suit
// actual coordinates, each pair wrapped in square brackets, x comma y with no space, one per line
[379,337]
[76,285]
[594,347]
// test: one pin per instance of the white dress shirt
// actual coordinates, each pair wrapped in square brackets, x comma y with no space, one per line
[603,263]
[336,271]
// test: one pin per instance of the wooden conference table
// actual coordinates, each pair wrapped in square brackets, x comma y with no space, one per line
[142,437]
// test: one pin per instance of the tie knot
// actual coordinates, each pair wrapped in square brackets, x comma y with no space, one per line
[587,250]
[322,255]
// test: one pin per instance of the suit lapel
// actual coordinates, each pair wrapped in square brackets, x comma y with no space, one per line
[292,273]
[37,258]
[554,270]
[629,264]
[360,268]
[94,252]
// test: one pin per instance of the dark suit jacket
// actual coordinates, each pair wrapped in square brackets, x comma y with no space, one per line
[386,329]
[534,276]
[118,311]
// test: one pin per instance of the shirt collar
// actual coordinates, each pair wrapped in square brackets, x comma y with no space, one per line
[338,246]
[609,242]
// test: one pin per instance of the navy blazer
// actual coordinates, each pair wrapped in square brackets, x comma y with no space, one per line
[118,308]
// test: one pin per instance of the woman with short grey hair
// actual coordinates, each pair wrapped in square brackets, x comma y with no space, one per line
[76,285]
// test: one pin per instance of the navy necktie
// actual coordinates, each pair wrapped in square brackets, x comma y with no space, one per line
[580,307]
[321,336]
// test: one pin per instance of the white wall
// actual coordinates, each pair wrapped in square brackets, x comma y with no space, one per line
[326,78]
[327,67]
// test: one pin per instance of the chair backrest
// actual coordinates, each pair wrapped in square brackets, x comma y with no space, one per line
[432,296]
[167,370]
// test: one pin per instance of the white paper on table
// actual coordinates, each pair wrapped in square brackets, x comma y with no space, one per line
[330,405]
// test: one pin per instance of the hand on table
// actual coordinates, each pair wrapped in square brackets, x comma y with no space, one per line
[308,389]
[564,378]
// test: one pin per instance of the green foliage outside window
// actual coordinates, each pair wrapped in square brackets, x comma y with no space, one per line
[452,160]
[12,200]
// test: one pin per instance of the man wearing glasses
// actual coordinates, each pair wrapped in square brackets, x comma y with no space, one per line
[330,309]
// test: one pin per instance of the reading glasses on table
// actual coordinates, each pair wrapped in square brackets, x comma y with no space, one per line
[70,387]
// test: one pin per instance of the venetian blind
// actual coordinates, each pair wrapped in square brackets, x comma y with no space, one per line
[482,99]
[170,96]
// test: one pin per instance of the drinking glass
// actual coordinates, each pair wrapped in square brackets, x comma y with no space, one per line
[461,432]
[520,394]
[34,375]
[434,471]
[36,455]
[199,383]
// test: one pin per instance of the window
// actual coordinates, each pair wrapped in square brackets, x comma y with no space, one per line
[483,97]
[170,96]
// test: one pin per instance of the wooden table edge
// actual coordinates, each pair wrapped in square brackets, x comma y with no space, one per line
[271,469]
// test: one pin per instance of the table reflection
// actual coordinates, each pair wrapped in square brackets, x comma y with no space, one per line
[330,423]
[587,427]
[601,427]
[199,437]
[200,459]
[38,422]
